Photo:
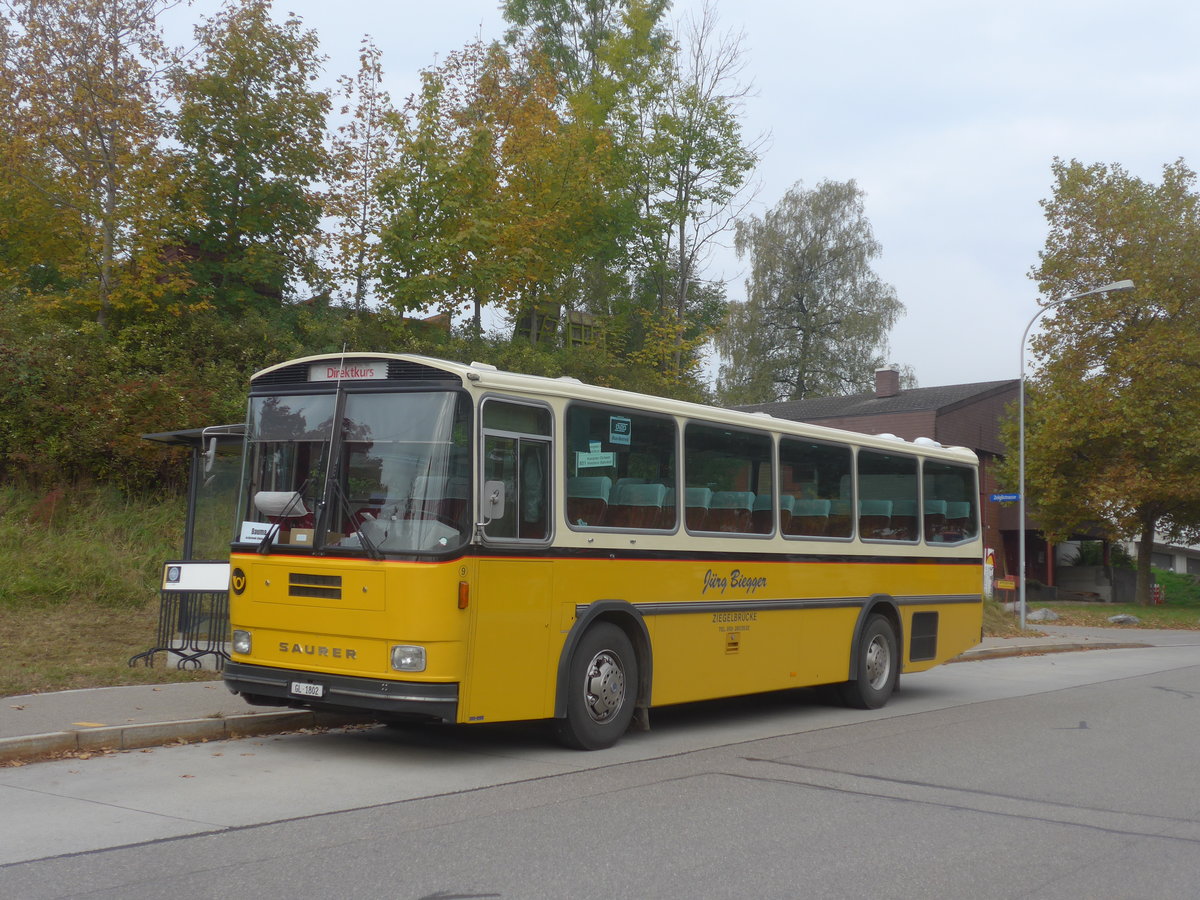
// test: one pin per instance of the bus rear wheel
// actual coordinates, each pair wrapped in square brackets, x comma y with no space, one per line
[601,689]
[878,667]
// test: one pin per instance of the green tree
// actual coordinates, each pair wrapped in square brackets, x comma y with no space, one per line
[439,195]
[252,131]
[700,164]
[362,149]
[816,316]
[582,40]
[1113,419]
[83,148]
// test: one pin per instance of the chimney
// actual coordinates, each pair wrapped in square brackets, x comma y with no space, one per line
[887,381]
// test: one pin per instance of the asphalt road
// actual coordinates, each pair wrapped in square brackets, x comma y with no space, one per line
[1072,775]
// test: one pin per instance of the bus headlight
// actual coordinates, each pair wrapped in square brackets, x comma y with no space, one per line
[242,642]
[407,658]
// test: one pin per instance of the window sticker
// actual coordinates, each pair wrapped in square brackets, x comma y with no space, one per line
[620,430]
[595,460]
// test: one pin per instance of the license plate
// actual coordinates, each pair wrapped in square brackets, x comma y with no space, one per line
[304,689]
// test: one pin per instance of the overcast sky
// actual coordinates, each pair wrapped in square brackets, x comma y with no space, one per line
[947,114]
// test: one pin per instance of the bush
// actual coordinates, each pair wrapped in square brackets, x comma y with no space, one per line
[1091,553]
[78,397]
[1178,589]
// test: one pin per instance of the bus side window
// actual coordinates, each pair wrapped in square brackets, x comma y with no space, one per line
[816,478]
[951,513]
[620,470]
[736,467]
[887,496]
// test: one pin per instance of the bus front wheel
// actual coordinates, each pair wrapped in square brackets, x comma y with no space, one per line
[601,689]
[878,667]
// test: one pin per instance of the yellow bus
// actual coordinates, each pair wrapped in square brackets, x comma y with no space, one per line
[423,538]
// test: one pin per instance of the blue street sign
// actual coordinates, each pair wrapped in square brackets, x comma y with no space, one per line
[1005,498]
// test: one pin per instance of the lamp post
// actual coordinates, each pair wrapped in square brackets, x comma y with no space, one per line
[1124,285]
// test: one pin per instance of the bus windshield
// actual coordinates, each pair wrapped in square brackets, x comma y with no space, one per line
[393,478]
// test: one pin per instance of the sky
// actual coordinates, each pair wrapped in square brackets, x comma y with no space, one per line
[947,114]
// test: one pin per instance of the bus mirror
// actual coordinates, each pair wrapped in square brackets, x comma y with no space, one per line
[493,500]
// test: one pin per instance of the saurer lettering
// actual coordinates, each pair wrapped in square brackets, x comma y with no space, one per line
[318,650]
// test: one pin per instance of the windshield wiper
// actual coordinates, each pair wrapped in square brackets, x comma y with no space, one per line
[264,546]
[373,552]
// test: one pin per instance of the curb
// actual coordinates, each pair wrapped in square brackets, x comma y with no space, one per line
[1039,649]
[28,748]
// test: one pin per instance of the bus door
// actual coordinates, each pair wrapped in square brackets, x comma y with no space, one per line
[510,670]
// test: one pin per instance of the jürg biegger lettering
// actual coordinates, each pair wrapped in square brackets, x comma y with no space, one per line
[735,580]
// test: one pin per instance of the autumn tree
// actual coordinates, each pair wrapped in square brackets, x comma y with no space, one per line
[492,194]
[816,316]
[83,141]
[33,234]
[1113,418]
[252,129]
[611,60]
[552,199]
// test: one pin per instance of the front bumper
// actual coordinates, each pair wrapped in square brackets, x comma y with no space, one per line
[345,693]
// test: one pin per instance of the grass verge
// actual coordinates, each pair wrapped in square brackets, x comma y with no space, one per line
[79,592]
[997,622]
[61,648]
[1097,615]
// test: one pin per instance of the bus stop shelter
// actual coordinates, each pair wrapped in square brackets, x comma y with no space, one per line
[193,618]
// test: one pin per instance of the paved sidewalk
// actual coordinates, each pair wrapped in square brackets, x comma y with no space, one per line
[36,726]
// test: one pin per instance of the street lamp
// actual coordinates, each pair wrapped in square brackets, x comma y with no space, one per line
[1124,285]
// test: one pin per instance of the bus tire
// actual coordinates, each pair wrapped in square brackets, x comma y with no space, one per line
[601,689]
[878,667]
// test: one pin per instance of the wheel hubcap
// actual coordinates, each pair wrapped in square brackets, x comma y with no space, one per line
[604,686]
[879,663]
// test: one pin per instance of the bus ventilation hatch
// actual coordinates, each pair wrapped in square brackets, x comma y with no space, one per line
[924,629]
[327,587]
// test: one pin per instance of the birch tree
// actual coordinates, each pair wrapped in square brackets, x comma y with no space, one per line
[816,316]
